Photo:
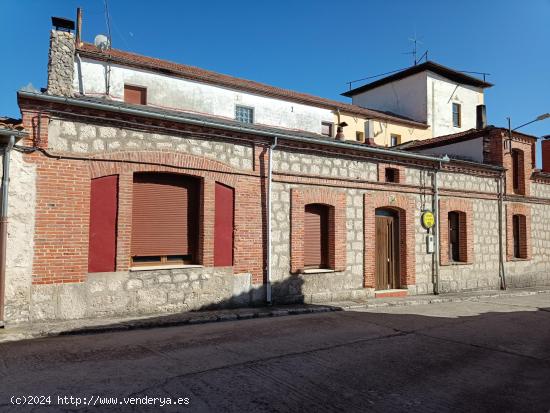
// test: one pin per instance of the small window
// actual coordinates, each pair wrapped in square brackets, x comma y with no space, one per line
[457,121]
[456,223]
[359,136]
[391,175]
[244,114]
[326,129]
[395,139]
[135,95]
[519,236]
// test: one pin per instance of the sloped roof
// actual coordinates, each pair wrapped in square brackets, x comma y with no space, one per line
[10,123]
[444,71]
[207,76]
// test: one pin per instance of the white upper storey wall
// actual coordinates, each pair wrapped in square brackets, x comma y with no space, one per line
[426,97]
[175,93]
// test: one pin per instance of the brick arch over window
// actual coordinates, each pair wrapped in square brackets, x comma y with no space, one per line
[158,161]
[336,226]
[405,206]
[466,230]
[525,243]
[128,163]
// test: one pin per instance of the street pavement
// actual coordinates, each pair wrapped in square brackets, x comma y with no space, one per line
[491,355]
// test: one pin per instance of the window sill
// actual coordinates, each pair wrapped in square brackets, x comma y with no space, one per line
[317,271]
[519,259]
[163,267]
[456,263]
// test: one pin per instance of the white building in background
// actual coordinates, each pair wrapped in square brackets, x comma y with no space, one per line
[441,97]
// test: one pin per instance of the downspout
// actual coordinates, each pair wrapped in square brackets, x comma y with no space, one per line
[435,208]
[4,222]
[501,232]
[269,183]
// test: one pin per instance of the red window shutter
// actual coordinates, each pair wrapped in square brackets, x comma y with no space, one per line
[164,215]
[135,95]
[223,232]
[315,236]
[103,220]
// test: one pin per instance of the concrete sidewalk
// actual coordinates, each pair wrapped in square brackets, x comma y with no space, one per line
[25,331]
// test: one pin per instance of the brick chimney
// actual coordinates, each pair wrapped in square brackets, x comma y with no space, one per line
[545,149]
[61,60]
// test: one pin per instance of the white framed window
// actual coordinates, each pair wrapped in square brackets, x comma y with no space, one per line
[327,128]
[244,114]
[457,115]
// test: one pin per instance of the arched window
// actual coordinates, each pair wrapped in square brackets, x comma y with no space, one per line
[165,214]
[316,236]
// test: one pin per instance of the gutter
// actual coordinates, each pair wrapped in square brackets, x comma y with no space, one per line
[243,129]
[268,297]
[11,136]
[502,269]
[436,231]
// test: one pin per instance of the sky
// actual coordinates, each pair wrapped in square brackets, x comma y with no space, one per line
[309,46]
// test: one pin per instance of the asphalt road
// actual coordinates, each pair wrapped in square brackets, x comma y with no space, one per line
[491,356]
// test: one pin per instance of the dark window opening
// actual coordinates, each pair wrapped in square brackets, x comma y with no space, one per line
[135,95]
[316,236]
[392,175]
[395,140]
[517,171]
[457,115]
[455,238]
[519,236]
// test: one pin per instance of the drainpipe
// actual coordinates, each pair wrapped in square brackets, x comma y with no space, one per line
[269,183]
[435,208]
[4,222]
[501,232]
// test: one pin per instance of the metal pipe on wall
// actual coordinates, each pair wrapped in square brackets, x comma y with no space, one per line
[502,269]
[435,208]
[4,222]
[269,183]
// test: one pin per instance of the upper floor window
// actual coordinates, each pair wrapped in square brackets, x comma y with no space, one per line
[457,115]
[244,114]
[391,175]
[395,139]
[517,171]
[359,136]
[135,95]
[326,128]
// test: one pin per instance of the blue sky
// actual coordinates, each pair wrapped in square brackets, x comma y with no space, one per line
[310,46]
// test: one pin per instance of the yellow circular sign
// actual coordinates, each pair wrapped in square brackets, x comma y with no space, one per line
[428,219]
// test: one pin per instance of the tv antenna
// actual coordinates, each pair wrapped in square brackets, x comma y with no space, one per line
[414,51]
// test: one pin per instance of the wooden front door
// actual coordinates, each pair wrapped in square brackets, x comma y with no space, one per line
[387,252]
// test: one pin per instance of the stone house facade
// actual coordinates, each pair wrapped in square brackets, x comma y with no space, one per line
[295,197]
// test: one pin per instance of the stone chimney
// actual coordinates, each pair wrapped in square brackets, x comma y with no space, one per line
[61,63]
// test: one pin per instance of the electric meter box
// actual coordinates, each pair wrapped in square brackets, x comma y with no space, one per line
[430,243]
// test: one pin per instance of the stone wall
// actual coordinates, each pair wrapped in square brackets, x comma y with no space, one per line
[540,190]
[61,63]
[330,166]
[484,271]
[467,183]
[139,293]
[322,286]
[87,138]
[20,250]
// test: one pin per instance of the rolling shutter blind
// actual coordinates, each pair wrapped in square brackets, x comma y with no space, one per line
[223,226]
[103,220]
[315,236]
[135,95]
[164,215]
